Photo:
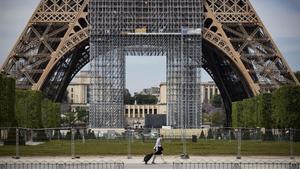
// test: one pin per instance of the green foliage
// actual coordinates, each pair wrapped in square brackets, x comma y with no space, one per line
[69,119]
[253,112]
[128,99]
[54,148]
[217,101]
[218,118]
[281,109]
[264,111]
[286,107]
[234,114]
[25,108]
[82,114]
[35,111]
[139,98]
[50,113]
[28,108]
[206,118]
[7,101]
[248,114]
[145,99]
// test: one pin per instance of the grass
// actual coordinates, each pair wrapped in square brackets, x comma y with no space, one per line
[171,147]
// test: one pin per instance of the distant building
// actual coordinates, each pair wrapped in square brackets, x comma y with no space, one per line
[135,114]
[162,93]
[79,88]
[208,90]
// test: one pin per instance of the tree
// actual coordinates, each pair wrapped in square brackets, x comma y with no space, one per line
[7,102]
[128,99]
[50,113]
[286,107]
[69,119]
[145,99]
[79,116]
[28,108]
[82,114]
[206,118]
[264,110]
[217,101]
[253,112]
[218,118]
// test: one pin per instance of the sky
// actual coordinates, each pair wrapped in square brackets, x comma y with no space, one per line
[281,18]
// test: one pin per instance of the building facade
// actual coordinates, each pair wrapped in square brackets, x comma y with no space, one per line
[208,90]
[78,93]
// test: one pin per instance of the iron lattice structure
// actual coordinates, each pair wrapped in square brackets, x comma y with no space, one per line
[121,28]
[238,51]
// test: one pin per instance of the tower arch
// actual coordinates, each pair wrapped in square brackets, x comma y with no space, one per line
[238,52]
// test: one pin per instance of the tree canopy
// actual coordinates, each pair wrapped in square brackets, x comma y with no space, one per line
[25,108]
[7,101]
[145,99]
[33,110]
[281,109]
[217,101]
[128,99]
[139,98]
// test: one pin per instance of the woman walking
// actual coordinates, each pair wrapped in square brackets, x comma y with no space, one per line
[158,149]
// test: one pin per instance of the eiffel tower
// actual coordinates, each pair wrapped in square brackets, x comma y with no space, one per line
[238,52]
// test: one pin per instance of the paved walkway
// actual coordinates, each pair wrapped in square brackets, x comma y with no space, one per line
[136,162]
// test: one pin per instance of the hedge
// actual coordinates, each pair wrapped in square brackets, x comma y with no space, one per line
[25,108]
[35,111]
[281,109]
[7,101]
[286,107]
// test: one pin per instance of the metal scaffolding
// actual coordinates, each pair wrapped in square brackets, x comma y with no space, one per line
[121,28]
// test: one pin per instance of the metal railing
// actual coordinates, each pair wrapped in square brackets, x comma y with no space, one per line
[61,165]
[234,141]
[237,165]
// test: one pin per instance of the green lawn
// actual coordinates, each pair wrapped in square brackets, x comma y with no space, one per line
[171,147]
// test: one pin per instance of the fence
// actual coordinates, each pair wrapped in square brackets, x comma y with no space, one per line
[61,165]
[208,141]
[238,165]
